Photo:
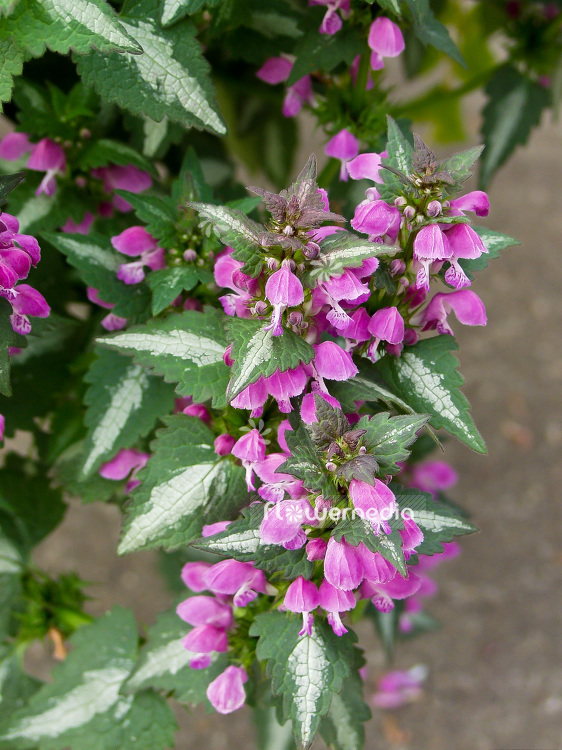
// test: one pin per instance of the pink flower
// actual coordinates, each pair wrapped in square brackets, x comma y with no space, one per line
[82,227]
[283,522]
[2,427]
[377,502]
[316,549]
[283,289]
[386,40]
[383,594]
[334,601]
[25,301]
[464,243]
[136,241]
[237,579]
[223,444]
[128,178]
[333,363]
[332,23]
[343,146]
[205,639]
[285,385]
[205,610]
[396,688]
[226,692]
[387,325]
[253,397]
[476,201]
[193,575]
[433,476]
[111,322]
[308,406]
[377,219]
[126,461]
[49,157]
[14,145]
[366,167]
[278,69]
[250,449]
[430,244]
[467,306]
[302,596]
[343,567]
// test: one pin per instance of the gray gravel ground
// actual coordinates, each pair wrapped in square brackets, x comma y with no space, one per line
[496,666]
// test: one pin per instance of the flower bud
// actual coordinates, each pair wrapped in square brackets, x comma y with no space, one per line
[397,267]
[189,255]
[316,549]
[289,263]
[311,250]
[228,361]
[409,212]
[260,307]
[331,466]
[223,444]
[400,201]
[295,318]
[272,264]
[410,337]
[434,208]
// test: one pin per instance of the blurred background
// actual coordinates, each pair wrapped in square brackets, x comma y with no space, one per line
[495,666]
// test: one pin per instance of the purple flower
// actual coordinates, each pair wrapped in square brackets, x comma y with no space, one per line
[386,40]
[237,579]
[387,325]
[376,568]
[14,145]
[14,266]
[224,444]
[382,594]
[285,385]
[127,461]
[366,167]
[205,639]
[476,201]
[316,549]
[333,363]
[199,411]
[122,178]
[250,448]
[464,243]
[205,610]
[396,688]
[376,503]
[332,23]
[377,219]
[412,535]
[343,146]
[430,244]
[433,476]
[82,227]
[193,575]
[467,306]
[283,522]
[335,600]
[111,322]
[25,301]
[283,289]
[49,157]
[275,484]
[253,397]
[226,692]
[278,69]
[343,567]
[308,406]
[210,529]
[302,596]
[136,241]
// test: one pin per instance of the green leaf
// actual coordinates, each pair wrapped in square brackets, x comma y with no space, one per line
[83,708]
[367,385]
[425,376]
[171,79]
[68,471]
[306,672]
[124,403]
[43,213]
[167,283]
[235,229]
[11,569]
[186,348]
[242,541]
[438,521]
[158,213]
[105,151]
[459,165]
[305,463]
[388,437]
[29,508]
[400,157]
[514,108]
[389,5]
[16,687]
[344,250]
[12,59]
[9,182]
[257,352]
[342,728]
[163,664]
[324,52]
[174,10]
[184,486]
[431,31]
[494,242]
[64,25]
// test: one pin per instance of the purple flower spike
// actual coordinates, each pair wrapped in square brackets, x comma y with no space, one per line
[343,146]
[467,306]
[332,362]
[302,596]
[334,601]
[283,289]
[49,157]
[386,40]
[387,325]
[204,639]
[343,567]
[377,219]
[205,610]
[226,692]
[430,244]
[14,145]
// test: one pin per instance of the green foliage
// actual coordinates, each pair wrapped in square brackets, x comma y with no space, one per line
[426,378]
[256,352]
[360,531]
[344,250]
[388,437]
[306,671]
[494,243]
[184,486]
[186,348]
[515,105]
[83,709]
[342,728]
[167,283]
[170,79]
[124,402]
[431,31]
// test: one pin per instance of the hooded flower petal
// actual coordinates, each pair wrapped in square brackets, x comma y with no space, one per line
[387,325]
[467,306]
[343,567]
[385,38]
[226,692]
